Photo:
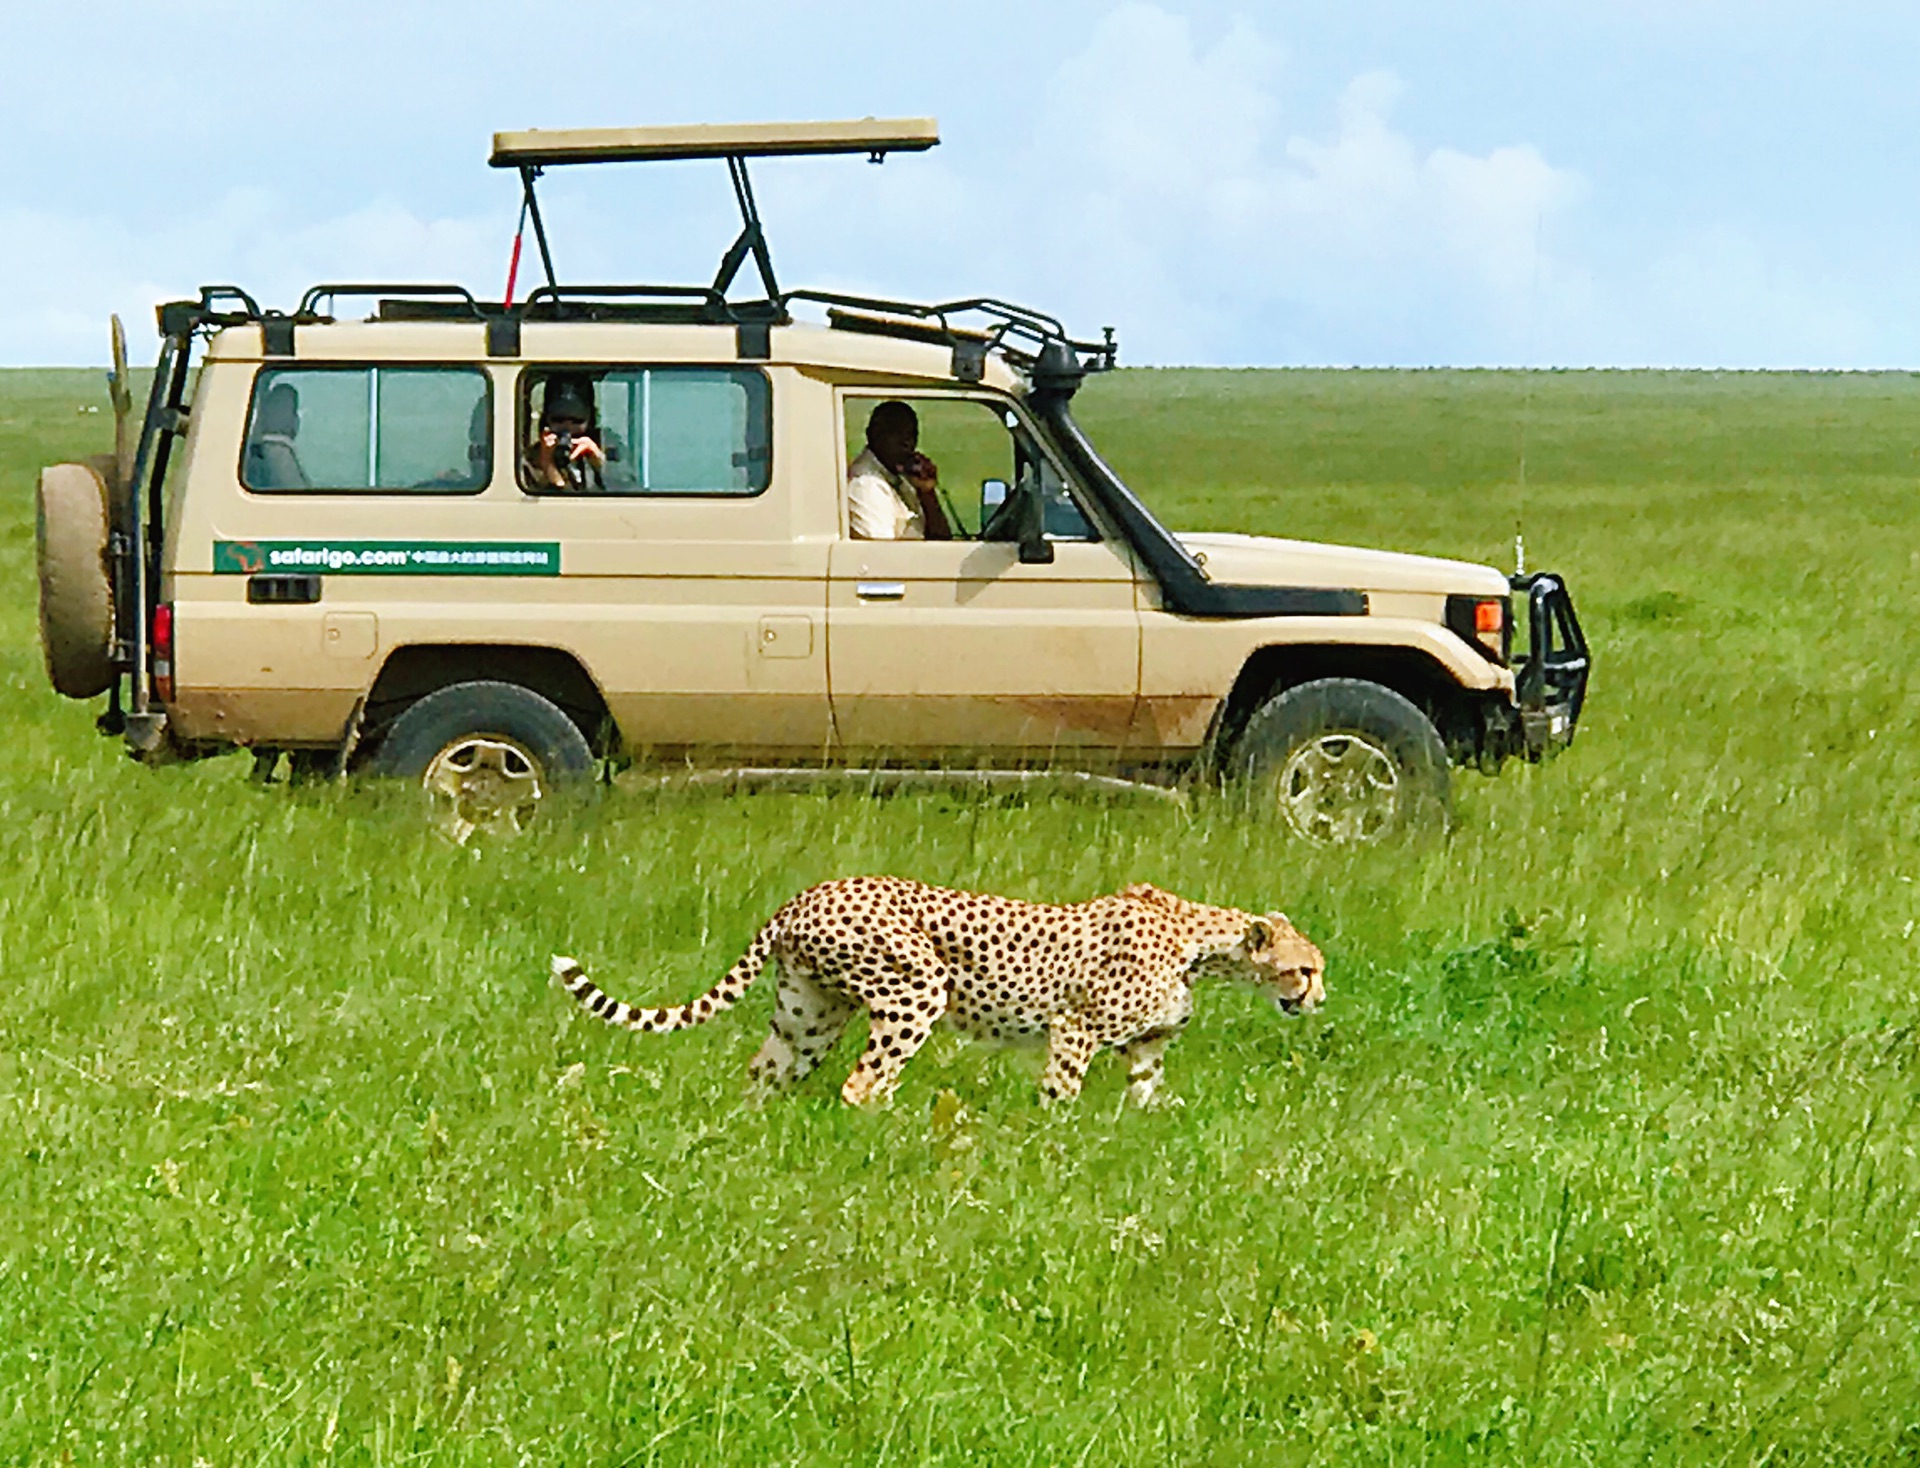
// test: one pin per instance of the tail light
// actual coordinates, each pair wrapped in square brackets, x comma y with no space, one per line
[163,652]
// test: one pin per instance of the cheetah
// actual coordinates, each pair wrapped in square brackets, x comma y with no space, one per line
[1116,971]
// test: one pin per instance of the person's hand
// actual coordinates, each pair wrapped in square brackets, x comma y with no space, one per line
[922,473]
[583,448]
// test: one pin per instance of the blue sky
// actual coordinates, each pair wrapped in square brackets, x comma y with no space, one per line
[1376,182]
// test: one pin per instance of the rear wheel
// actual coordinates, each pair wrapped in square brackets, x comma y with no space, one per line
[1344,762]
[487,755]
[76,593]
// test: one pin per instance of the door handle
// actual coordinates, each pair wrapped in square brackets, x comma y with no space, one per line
[880,590]
[277,590]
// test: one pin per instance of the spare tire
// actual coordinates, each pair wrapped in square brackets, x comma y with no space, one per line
[76,593]
[107,466]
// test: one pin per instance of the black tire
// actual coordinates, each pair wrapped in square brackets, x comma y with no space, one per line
[76,592]
[1345,762]
[488,755]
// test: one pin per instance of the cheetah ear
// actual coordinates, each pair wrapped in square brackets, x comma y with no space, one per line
[1261,934]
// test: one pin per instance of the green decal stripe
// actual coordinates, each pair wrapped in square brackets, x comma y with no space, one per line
[388,557]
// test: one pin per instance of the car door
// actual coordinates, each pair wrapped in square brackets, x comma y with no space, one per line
[956,649]
[683,584]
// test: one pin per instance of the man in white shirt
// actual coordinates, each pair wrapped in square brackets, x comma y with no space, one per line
[893,490]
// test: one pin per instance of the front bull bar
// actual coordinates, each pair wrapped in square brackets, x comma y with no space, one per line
[1551,685]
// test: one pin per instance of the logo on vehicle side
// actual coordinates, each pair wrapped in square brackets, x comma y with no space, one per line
[390,557]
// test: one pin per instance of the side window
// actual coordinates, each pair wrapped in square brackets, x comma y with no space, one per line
[384,430]
[647,431]
[982,451]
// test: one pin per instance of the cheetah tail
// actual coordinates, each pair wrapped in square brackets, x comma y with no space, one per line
[721,996]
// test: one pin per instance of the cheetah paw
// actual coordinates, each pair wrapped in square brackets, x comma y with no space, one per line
[1157,1101]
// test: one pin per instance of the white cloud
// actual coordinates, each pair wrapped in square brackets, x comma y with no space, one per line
[1219,233]
[1161,189]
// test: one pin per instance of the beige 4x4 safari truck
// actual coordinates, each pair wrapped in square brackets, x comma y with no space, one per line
[330,542]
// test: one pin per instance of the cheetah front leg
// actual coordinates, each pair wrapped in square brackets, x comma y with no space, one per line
[808,1021]
[1071,1047]
[1144,1067]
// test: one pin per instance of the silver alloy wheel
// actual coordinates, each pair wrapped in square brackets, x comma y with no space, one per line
[483,782]
[1340,789]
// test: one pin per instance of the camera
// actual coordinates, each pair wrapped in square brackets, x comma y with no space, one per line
[573,470]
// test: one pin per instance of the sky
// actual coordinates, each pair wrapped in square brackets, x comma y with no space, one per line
[1567,183]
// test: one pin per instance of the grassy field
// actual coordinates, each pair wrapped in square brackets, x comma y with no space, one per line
[1602,1150]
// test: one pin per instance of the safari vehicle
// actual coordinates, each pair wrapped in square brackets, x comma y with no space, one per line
[326,543]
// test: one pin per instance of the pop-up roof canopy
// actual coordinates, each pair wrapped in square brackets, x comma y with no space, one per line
[875,137]
[537,149]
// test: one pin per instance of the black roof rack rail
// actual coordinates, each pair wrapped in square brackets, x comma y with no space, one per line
[580,302]
[1018,333]
[308,309]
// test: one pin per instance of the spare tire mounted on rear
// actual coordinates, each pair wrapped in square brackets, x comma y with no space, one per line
[76,589]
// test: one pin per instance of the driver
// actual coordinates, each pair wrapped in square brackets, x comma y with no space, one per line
[893,490]
[566,411]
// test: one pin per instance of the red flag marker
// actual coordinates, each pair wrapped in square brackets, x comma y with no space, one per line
[513,265]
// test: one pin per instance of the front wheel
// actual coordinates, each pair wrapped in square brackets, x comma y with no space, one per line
[488,755]
[1345,762]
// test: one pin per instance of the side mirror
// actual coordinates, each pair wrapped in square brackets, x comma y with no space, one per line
[1035,548]
[1016,514]
[993,494]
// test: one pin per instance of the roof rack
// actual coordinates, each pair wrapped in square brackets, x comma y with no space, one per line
[533,151]
[972,328]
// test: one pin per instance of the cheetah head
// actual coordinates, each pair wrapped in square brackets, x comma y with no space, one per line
[1282,964]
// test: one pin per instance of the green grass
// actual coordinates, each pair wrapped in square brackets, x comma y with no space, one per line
[1602,1150]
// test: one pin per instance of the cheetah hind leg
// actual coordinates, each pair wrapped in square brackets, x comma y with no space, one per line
[808,1021]
[893,1038]
[1071,1047]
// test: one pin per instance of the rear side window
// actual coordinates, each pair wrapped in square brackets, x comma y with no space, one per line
[382,430]
[663,430]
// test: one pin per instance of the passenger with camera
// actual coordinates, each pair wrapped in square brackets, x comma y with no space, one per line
[567,454]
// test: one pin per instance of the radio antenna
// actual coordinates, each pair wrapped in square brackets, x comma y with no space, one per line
[1520,497]
[1529,369]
